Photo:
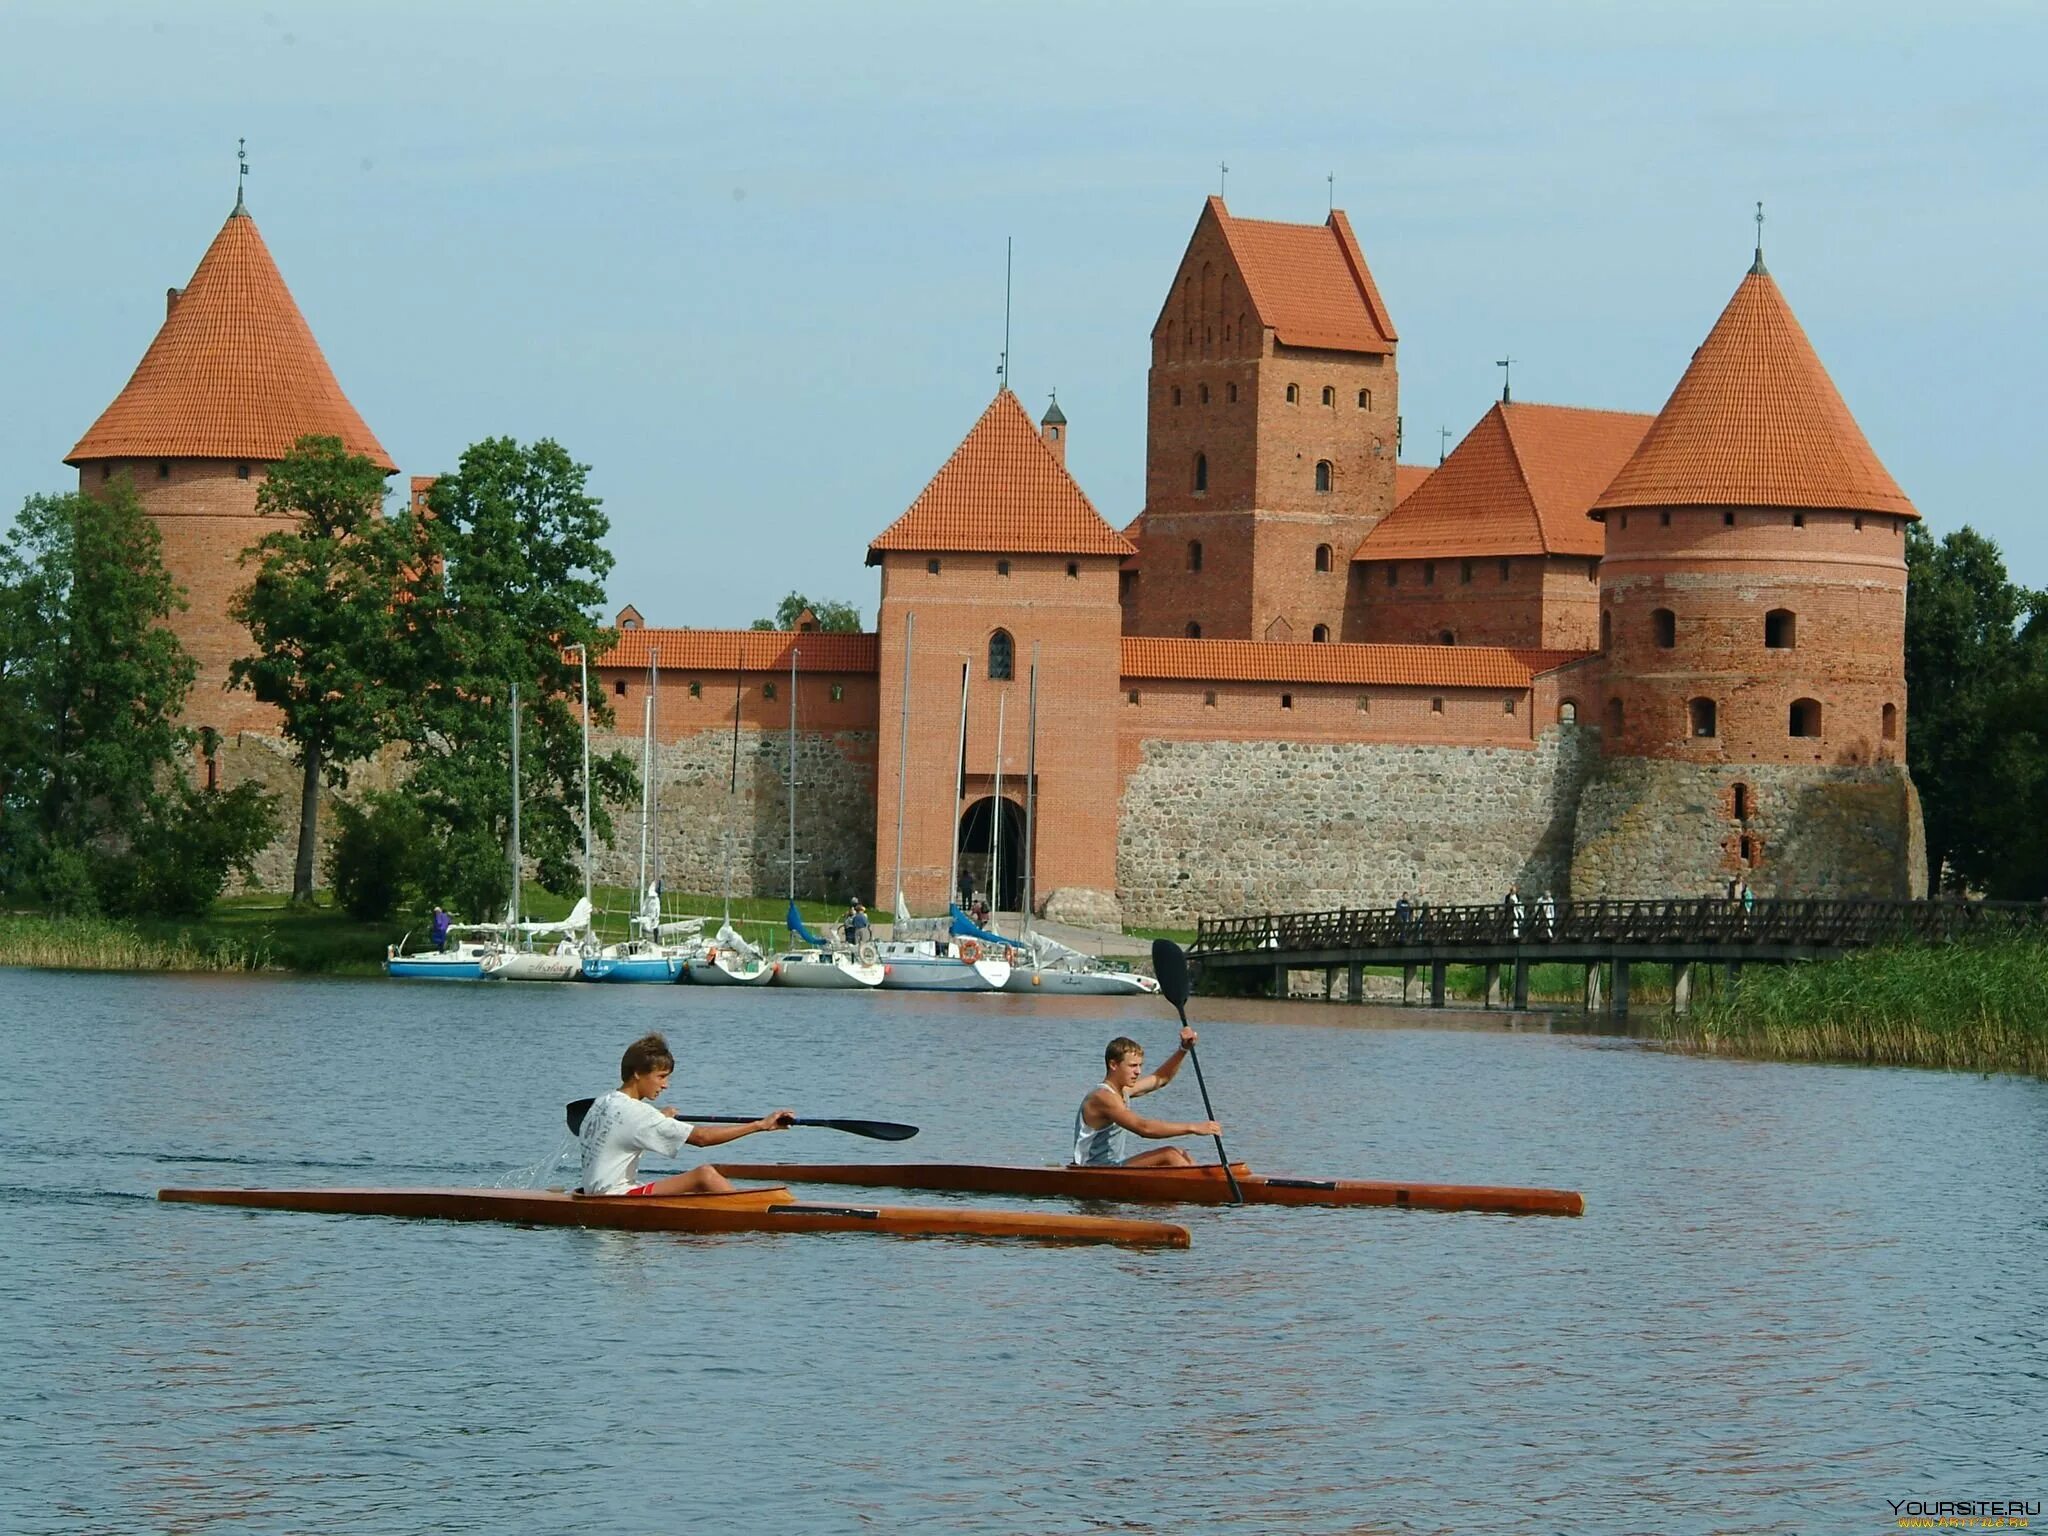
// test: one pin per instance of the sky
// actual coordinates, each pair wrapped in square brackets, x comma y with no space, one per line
[747,262]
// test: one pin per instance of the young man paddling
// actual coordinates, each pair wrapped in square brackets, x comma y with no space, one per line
[1105,1122]
[625,1123]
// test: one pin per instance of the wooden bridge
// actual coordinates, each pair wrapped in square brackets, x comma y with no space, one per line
[1601,936]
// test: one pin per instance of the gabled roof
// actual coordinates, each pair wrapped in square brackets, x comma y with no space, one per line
[1308,282]
[233,374]
[1005,492]
[1409,478]
[1265,661]
[1756,422]
[1519,484]
[743,650]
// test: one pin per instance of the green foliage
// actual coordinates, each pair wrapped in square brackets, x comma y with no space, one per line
[1976,671]
[374,861]
[516,544]
[178,860]
[833,618]
[91,685]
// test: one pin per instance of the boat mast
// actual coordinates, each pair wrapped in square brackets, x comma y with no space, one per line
[1030,787]
[902,761]
[646,789]
[583,664]
[732,787]
[654,861]
[515,803]
[959,786]
[995,824]
[793,655]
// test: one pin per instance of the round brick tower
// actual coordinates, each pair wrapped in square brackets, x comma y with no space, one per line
[1752,615]
[233,379]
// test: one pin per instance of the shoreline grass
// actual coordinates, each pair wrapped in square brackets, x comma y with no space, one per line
[1964,1007]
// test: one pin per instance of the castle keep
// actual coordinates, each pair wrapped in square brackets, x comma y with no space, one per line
[1596,652]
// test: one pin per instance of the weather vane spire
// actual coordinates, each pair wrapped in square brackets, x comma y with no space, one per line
[1507,368]
[241,172]
[1757,266]
[1222,176]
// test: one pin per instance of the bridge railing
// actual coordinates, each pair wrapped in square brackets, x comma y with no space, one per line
[1687,923]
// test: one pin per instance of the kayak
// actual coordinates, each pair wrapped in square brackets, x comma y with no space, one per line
[772,1209]
[1204,1185]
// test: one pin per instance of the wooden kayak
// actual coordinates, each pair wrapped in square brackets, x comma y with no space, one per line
[772,1209]
[1204,1185]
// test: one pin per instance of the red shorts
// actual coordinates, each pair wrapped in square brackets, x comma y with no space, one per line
[641,1189]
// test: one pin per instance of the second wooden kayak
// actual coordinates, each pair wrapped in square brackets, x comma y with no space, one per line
[1204,1185]
[772,1209]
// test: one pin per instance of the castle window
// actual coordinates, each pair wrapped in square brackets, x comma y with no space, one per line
[1781,630]
[1741,798]
[107,473]
[1176,394]
[1889,730]
[932,566]
[1002,567]
[241,471]
[1436,706]
[1364,704]
[1859,522]
[619,689]
[1204,394]
[1293,394]
[1322,474]
[1201,472]
[1568,712]
[1074,569]
[1593,570]
[1287,701]
[767,690]
[1664,624]
[1131,697]
[1445,637]
[1002,656]
[1507,705]
[1805,719]
[1465,573]
[1365,399]
[1329,395]
[838,692]
[1614,720]
[1320,634]
[1393,574]
[1727,519]
[1429,573]
[696,688]
[1606,628]
[163,470]
[1209,698]
[1752,851]
[1624,519]
[1322,557]
[1194,630]
[1699,716]
[1504,566]
[1230,393]
[1798,519]
[1194,554]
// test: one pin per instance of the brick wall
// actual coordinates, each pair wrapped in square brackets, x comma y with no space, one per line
[1546,602]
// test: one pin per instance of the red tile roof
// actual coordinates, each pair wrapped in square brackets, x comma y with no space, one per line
[1261,661]
[1756,422]
[743,650]
[1308,282]
[1003,491]
[1519,484]
[1409,478]
[233,374]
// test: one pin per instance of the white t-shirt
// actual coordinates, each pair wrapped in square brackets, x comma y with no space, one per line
[618,1129]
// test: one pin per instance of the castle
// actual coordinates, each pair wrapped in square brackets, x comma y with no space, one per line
[1592,652]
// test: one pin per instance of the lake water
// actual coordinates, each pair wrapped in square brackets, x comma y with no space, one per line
[1797,1292]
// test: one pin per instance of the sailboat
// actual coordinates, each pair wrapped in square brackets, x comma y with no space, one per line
[729,960]
[943,962]
[642,956]
[817,964]
[524,962]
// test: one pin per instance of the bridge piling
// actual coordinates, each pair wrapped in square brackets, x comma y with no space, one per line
[1407,985]
[1493,984]
[1356,978]
[1681,987]
[1521,993]
[1595,976]
[1436,984]
[1621,970]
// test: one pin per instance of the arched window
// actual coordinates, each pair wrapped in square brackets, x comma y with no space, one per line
[1365,399]
[1293,394]
[1322,557]
[1322,474]
[1230,393]
[1614,720]
[1568,712]
[1176,394]
[1781,630]
[1194,630]
[1203,392]
[1329,395]
[1664,623]
[1741,798]
[1321,634]
[1429,573]
[1002,656]
[1445,637]
[1194,554]
[1606,628]
[1465,573]
[1699,716]
[1201,471]
[1805,717]
[1890,729]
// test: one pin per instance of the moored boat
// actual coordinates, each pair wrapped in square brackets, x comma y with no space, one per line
[462,960]
[1204,1185]
[771,1209]
[831,969]
[937,965]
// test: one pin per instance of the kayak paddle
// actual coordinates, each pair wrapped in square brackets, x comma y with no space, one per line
[874,1130]
[1170,969]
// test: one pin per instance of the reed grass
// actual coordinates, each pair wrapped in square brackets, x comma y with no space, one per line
[101,944]
[1973,1007]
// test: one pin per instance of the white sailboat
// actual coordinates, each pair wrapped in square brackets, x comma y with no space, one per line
[730,960]
[644,955]
[521,961]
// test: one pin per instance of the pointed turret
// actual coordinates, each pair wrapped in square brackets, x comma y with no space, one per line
[234,373]
[1756,422]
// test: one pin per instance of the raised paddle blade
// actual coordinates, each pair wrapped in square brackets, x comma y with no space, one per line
[574,1114]
[1170,966]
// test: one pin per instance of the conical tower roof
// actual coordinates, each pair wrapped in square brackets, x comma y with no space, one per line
[1756,422]
[234,374]
[1004,492]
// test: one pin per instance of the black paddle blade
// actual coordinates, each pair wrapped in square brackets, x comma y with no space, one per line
[574,1114]
[1170,968]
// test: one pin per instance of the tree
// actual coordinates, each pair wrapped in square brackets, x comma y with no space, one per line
[833,618]
[517,552]
[325,610]
[1969,666]
[91,686]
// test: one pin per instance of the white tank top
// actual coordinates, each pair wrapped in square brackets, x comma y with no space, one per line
[1104,1148]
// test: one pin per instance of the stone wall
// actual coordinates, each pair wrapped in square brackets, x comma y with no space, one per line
[701,816]
[1228,827]
[269,761]
[1650,828]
